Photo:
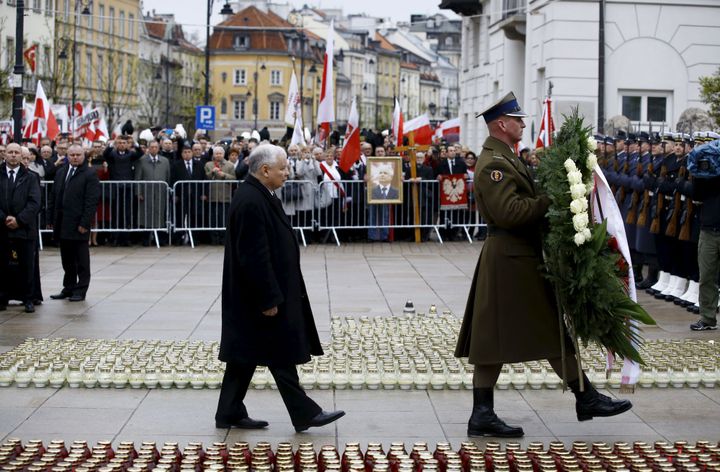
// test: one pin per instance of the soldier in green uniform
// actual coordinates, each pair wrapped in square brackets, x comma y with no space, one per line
[511,315]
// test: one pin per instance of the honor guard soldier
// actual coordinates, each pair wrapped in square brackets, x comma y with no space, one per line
[625,192]
[499,326]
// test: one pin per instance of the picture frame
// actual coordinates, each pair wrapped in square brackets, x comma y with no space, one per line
[384,180]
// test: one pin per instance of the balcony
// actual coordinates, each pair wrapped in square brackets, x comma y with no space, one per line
[513,21]
[462,7]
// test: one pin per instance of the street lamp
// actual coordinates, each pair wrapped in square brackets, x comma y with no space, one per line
[226,10]
[85,11]
[255,98]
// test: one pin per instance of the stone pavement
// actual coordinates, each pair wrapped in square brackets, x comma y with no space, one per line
[174,293]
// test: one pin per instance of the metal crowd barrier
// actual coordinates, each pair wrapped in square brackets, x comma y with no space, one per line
[202,205]
[124,206]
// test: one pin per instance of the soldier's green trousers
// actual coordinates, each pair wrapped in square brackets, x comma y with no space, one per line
[709,264]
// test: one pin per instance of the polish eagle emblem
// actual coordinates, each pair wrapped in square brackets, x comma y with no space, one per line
[454,189]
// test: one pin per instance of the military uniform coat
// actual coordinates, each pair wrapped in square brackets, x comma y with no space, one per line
[261,270]
[511,313]
[152,211]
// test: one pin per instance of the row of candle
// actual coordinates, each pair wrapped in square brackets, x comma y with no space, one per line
[401,352]
[660,456]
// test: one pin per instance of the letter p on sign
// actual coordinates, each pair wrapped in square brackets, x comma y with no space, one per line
[205,118]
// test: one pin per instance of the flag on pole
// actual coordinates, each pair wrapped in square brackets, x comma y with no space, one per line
[397,124]
[297,136]
[351,147]
[43,123]
[420,130]
[30,56]
[547,127]
[293,101]
[450,130]
[101,130]
[326,108]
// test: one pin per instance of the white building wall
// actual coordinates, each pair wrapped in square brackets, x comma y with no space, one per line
[653,48]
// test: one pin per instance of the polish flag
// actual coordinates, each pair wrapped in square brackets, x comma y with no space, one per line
[351,147]
[43,123]
[397,124]
[297,136]
[101,130]
[293,101]
[419,128]
[547,127]
[117,131]
[450,130]
[326,108]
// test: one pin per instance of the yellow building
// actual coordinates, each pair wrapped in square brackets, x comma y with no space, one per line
[104,69]
[250,72]
[388,79]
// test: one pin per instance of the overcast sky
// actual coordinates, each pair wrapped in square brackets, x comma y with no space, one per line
[192,12]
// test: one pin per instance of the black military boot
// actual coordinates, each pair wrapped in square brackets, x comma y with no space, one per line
[650,280]
[484,421]
[591,403]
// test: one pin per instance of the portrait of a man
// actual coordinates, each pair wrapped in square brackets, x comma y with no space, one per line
[384,180]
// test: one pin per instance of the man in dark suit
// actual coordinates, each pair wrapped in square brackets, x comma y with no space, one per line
[384,189]
[266,314]
[73,203]
[454,164]
[19,207]
[121,157]
[188,196]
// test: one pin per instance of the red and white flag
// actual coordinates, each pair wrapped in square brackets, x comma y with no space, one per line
[397,124]
[351,147]
[326,108]
[298,137]
[292,107]
[101,130]
[419,128]
[449,130]
[117,131]
[547,127]
[30,56]
[43,123]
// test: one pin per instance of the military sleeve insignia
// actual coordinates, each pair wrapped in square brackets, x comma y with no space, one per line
[496,175]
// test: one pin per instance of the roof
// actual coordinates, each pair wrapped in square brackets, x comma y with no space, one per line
[251,16]
[409,65]
[430,77]
[157,28]
[384,43]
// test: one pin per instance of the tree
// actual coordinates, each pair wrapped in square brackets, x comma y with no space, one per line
[710,94]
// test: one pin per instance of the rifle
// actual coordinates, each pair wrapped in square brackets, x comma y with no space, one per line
[643,217]
[687,224]
[616,166]
[655,225]
[632,217]
[623,191]
[672,228]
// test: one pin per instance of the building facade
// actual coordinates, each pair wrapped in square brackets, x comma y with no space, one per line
[388,79]
[655,52]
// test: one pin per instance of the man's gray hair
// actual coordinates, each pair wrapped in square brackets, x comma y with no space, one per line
[264,154]
[215,148]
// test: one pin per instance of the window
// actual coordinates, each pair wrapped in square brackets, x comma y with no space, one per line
[89,18]
[275,77]
[223,106]
[646,107]
[36,6]
[111,21]
[239,109]
[101,17]
[49,7]
[120,76]
[240,41]
[10,52]
[88,69]
[121,29]
[239,77]
[275,111]
[46,60]
[131,26]
[100,71]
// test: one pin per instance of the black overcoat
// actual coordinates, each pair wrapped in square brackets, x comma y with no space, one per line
[74,203]
[262,270]
[21,200]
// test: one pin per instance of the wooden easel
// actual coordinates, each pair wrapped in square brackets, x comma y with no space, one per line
[411,150]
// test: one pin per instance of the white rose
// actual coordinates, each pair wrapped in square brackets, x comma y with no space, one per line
[579,239]
[592,145]
[588,235]
[575,177]
[570,165]
[591,161]
[578,191]
[580,221]
[578,206]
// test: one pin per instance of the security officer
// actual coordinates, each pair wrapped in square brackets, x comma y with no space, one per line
[19,208]
[499,326]
[644,242]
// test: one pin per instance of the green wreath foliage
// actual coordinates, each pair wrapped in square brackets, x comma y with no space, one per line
[588,279]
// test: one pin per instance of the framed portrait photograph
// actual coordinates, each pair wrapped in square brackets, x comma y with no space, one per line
[385,180]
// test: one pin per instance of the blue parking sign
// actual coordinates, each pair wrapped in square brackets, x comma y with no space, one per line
[205,117]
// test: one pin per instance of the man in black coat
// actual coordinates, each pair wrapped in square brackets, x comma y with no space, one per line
[73,203]
[188,196]
[454,164]
[266,314]
[19,208]
[121,158]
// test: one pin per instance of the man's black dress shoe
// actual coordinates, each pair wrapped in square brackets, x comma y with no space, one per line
[76,298]
[245,423]
[29,308]
[321,419]
[60,296]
